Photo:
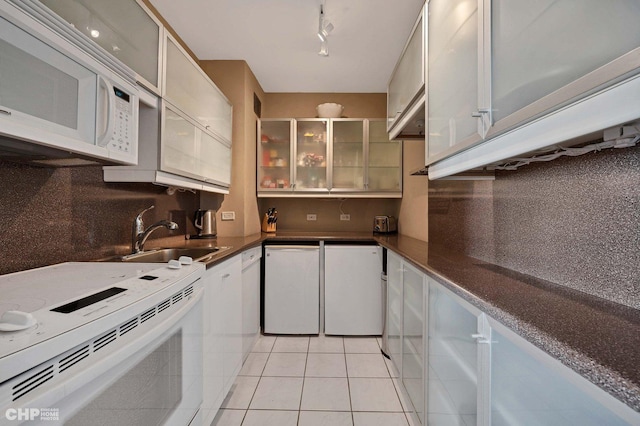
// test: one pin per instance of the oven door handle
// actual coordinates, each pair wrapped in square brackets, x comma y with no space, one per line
[96,376]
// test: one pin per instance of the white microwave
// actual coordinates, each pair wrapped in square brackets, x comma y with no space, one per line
[57,102]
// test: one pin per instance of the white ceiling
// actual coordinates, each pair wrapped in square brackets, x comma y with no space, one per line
[278,39]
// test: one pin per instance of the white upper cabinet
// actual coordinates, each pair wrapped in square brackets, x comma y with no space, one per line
[405,91]
[190,151]
[350,157]
[453,74]
[541,47]
[508,78]
[190,89]
[126,29]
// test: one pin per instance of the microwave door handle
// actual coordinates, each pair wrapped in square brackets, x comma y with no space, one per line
[105,137]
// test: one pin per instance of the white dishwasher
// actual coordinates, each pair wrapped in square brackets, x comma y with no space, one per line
[292,289]
[352,290]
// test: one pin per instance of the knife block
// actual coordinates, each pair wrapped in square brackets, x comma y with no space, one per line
[266,226]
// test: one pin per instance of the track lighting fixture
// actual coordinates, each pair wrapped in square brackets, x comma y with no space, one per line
[324,28]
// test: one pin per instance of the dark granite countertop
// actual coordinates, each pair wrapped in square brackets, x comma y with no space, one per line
[596,338]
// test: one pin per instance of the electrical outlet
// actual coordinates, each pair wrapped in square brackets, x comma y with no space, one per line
[312,216]
[228,215]
[345,217]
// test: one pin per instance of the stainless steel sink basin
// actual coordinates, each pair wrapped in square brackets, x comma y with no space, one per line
[167,254]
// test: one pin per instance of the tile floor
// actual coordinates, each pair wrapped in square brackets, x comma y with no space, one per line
[314,381]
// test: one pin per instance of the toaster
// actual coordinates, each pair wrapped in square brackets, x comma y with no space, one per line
[385,224]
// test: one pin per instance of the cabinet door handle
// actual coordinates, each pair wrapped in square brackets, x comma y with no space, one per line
[479,113]
[226,276]
[5,112]
[480,338]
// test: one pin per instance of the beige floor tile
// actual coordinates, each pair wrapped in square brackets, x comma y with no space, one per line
[361,345]
[270,418]
[228,418]
[291,344]
[330,394]
[325,418]
[366,365]
[379,419]
[264,344]
[285,365]
[277,393]
[254,364]
[326,365]
[373,395]
[326,344]
[241,392]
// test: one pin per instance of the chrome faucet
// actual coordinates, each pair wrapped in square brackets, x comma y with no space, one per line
[139,235]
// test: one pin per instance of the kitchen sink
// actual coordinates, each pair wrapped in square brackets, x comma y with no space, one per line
[166,254]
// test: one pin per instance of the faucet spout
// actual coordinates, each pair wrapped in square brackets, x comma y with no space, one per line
[142,238]
[139,234]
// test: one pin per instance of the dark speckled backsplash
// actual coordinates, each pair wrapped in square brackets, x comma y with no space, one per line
[69,214]
[572,221]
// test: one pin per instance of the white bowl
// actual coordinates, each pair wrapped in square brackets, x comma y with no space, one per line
[329,110]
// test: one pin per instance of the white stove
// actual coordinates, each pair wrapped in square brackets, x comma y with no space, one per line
[49,312]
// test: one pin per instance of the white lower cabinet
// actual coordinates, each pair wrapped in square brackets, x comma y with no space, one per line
[413,336]
[250,298]
[406,315]
[394,309]
[352,290]
[528,387]
[477,371]
[452,385]
[222,333]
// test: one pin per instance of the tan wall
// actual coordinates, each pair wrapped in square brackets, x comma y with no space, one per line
[238,83]
[303,105]
[413,220]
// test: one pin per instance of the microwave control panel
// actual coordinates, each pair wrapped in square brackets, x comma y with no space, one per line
[123,122]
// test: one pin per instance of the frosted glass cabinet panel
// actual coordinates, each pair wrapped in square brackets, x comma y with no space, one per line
[452,73]
[541,46]
[348,154]
[385,159]
[179,148]
[274,155]
[311,154]
[408,77]
[123,28]
[394,308]
[453,379]
[526,391]
[190,89]
[413,355]
[215,159]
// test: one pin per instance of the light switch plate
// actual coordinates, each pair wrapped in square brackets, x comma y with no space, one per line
[312,216]
[228,215]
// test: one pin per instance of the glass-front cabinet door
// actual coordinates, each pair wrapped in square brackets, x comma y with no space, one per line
[348,163]
[384,165]
[452,75]
[539,47]
[413,344]
[125,29]
[275,157]
[311,155]
[453,359]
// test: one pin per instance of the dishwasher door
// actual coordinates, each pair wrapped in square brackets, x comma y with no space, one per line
[292,289]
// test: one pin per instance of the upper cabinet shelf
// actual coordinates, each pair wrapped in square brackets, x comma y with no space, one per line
[328,158]
[506,78]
